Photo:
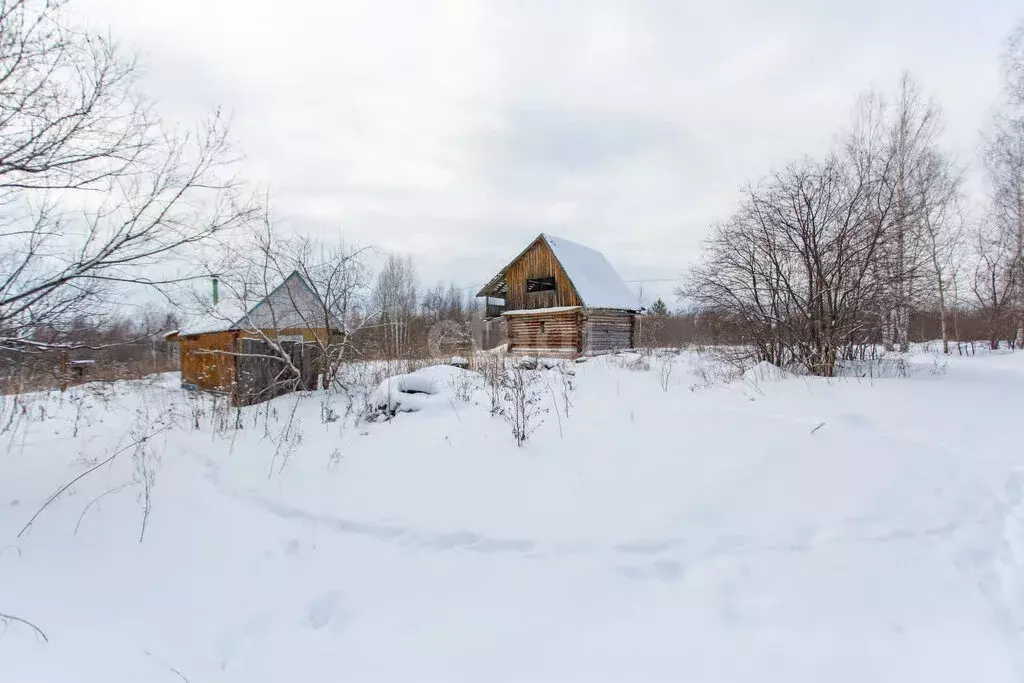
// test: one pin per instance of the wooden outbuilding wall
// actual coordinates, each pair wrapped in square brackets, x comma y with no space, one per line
[605,331]
[260,376]
[537,261]
[548,333]
[571,333]
[209,360]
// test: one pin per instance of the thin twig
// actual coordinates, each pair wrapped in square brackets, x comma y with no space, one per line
[19,620]
[92,469]
[820,425]
[168,666]
[96,500]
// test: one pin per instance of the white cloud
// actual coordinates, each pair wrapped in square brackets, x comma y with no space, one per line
[458,130]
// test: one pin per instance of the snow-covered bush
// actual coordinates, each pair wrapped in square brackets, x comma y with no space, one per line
[419,390]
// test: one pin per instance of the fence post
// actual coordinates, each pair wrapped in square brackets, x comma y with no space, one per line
[64,370]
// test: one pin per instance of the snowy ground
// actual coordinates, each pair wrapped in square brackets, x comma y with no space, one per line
[783,529]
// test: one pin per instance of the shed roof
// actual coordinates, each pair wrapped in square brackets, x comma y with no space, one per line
[234,315]
[221,318]
[595,280]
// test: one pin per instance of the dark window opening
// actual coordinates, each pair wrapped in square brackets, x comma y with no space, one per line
[540,284]
[542,327]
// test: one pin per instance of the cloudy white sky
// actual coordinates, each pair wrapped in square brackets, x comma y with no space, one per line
[456,131]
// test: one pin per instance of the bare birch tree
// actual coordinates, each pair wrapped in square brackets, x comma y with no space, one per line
[1004,156]
[912,126]
[942,230]
[395,296]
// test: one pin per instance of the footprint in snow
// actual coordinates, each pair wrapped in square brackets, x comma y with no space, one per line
[855,419]
[325,610]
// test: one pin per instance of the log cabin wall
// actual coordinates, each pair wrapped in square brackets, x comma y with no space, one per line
[537,262]
[550,334]
[605,331]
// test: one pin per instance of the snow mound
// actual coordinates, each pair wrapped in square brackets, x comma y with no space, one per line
[766,372]
[419,390]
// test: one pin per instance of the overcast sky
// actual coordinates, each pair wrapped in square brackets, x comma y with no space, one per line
[457,131]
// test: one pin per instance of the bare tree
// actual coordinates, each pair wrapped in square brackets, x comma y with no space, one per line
[278,287]
[339,276]
[994,282]
[905,141]
[1004,156]
[942,234]
[792,268]
[394,295]
[95,194]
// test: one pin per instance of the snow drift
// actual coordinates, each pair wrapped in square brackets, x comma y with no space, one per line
[646,534]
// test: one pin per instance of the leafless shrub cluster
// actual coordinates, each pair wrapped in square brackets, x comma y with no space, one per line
[831,254]
[493,366]
[522,402]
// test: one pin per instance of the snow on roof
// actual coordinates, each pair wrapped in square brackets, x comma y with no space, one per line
[292,304]
[597,283]
[534,311]
[224,317]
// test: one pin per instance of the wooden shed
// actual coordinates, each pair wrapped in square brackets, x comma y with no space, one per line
[210,346]
[560,298]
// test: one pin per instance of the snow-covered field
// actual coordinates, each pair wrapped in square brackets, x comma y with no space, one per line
[670,528]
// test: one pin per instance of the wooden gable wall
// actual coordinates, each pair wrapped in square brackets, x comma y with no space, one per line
[536,262]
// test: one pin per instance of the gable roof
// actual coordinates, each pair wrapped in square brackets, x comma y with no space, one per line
[596,283]
[292,293]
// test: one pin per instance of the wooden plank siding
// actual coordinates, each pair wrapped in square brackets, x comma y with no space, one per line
[536,262]
[546,334]
[262,376]
[208,361]
[605,331]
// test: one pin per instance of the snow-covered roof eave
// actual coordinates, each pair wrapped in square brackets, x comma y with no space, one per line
[537,311]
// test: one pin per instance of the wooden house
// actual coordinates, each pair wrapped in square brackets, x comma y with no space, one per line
[210,345]
[562,299]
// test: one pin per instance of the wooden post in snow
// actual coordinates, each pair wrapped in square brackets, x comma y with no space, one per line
[64,370]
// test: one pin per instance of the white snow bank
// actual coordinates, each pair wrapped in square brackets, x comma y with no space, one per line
[419,390]
[646,534]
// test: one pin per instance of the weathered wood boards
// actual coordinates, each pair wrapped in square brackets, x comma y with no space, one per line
[262,375]
[546,332]
[231,362]
[537,262]
[607,331]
